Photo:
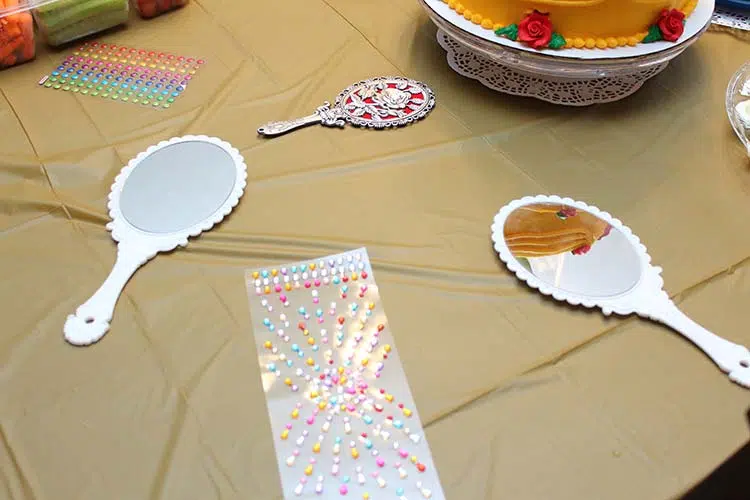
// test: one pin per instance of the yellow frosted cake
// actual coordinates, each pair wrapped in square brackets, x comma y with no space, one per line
[592,24]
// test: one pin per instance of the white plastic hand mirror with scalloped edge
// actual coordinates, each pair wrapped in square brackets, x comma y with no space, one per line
[579,254]
[170,192]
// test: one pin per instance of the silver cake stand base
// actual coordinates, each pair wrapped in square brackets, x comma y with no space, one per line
[565,90]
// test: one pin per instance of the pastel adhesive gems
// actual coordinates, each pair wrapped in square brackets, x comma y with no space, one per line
[344,421]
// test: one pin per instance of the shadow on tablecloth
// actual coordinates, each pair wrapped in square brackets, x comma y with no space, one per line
[730,481]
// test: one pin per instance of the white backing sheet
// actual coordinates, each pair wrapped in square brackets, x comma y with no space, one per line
[344,421]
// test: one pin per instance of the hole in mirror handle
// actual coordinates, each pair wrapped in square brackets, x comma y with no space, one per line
[733,359]
[91,320]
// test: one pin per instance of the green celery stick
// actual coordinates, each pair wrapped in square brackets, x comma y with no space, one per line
[66,12]
[86,27]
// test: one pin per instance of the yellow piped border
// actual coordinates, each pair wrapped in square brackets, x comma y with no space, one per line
[574,42]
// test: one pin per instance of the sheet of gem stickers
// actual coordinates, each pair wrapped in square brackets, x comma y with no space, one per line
[343,418]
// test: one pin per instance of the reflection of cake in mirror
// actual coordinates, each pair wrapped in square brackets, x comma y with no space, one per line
[550,229]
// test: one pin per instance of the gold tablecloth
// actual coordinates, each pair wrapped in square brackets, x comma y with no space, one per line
[522,397]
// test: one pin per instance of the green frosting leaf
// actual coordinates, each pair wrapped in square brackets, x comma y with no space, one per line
[510,32]
[654,34]
[557,41]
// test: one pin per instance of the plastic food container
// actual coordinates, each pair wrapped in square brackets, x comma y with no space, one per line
[152,8]
[738,104]
[62,21]
[17,44]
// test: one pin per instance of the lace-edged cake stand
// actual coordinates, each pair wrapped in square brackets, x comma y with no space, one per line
[570,80]
[734,22]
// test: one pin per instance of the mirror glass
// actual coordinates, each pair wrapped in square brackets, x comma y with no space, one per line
[177,187]
[572,249]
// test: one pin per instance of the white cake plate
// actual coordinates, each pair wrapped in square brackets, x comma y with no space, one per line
[572,77]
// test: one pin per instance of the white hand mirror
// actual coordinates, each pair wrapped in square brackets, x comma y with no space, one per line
[579,254]
[168,193]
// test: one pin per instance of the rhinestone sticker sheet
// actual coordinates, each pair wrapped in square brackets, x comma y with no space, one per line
[125,74]
[343,417]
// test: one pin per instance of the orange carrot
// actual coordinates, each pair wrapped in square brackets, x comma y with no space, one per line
[8,49]
[16,35]
[12,28]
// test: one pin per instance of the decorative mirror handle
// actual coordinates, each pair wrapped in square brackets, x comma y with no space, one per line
[91,320]
[325,115]
[733,359]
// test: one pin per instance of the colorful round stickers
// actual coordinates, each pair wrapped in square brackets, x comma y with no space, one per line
[125,74]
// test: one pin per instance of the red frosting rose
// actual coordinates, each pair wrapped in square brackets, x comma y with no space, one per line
[535,30]
[582,250]
[670,24]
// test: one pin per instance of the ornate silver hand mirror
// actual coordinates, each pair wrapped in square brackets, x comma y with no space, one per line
[165,195]
[379,103]
[579,254]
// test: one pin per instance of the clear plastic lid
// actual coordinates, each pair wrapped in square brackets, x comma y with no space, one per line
[26,5]
[22,6]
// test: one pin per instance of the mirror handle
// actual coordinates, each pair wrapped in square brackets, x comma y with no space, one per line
[733,359]
[91,320]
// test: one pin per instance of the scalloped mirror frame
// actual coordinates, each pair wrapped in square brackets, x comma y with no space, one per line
[647,289]
[136,247]
[646,298]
